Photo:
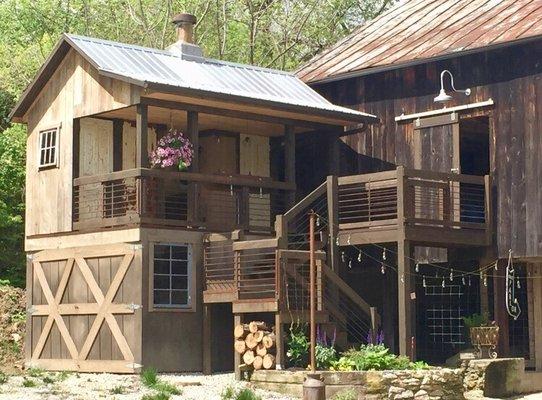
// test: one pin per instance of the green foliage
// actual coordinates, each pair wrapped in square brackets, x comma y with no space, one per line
[298,346]
[149,377]
[47,379]
[476,320]
[117,390]
[228,393]
[247,394]
[36,372]
[374,357]
[3,378]
[166,387]
[325,356]
[156,396]
[29,383]
[350,394]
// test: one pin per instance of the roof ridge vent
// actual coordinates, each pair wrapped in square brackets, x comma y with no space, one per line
[185,46]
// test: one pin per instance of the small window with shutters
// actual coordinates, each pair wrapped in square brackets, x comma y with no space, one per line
[48,148]
[171,275]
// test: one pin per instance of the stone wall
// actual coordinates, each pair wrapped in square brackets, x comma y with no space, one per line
[495,378]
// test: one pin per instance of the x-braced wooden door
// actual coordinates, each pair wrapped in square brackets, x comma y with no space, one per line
[83,309]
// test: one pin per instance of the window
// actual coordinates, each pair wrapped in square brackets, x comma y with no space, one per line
[48,148]
[172,266]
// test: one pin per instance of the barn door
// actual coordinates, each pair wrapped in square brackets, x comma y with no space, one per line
[83,309]
[436,148]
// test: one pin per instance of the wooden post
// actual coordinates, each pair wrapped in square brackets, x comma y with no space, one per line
[499,310]
[279,340]
[405,286]
[193,134]
[333,221]
[207,353]
[374,325]
[142,137]
[237,320]
[289,162]
[535,284]
[312,218]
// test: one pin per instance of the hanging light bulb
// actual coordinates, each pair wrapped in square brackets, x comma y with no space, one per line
[382,269]
[518,284]
[402,278]
[469,280]
[317,218]
[343,257]
[463,280]
[451,274]
[417,267]
[485,280]
[443,283]
[337,241]
[231,190]
[424,284]
[350,264]
[359,256]
[348,241]
[384,254]
[261,197]
[496,265]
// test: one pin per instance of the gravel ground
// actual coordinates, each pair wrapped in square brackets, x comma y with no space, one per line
[51,386]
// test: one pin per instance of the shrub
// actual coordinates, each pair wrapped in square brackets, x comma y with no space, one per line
[29,383]
[117,390]
[298,346]
[475,320]
[3,378]
[166,387]
[228,393]
[374,357]
[325,356]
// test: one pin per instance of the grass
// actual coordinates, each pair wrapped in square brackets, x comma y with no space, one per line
[247,394]
[35,372]
[117,390]
[29,383]
[228,393]
[149,378]
[156,396]
[48,379]
[3,378]
[346,395]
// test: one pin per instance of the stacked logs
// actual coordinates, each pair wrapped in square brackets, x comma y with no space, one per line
[256,344]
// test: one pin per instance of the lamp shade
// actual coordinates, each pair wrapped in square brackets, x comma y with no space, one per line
[442,97]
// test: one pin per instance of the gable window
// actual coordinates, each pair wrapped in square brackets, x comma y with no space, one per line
[172,265]
[48,148]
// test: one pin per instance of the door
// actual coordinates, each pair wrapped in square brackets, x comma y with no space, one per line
[219,155]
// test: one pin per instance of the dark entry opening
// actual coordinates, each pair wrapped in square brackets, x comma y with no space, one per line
[474,145]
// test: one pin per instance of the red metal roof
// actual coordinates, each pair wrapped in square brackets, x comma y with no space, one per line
[418,30]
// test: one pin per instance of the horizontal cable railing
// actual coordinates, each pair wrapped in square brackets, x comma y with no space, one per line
[165,198]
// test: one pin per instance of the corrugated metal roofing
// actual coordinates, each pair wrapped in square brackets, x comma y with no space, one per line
[425,29]
[149,65]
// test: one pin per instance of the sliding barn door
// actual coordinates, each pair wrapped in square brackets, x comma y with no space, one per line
[84,312]
[436,148]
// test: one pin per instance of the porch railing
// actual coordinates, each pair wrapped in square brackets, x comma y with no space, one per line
[164,198]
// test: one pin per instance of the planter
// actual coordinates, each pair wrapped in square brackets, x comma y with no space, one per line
[485,339]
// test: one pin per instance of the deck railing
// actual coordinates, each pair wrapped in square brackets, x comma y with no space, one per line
[163,198]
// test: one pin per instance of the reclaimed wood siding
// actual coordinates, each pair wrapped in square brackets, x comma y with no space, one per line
[512,77]
[75,90]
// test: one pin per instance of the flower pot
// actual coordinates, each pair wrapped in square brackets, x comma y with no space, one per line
[485,339]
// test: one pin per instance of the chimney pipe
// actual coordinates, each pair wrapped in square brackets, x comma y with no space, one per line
[184,25]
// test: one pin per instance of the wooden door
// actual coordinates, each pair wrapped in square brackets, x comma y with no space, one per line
[83,309]
[219,154]
[436,148]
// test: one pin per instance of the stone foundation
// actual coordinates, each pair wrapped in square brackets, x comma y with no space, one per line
[495,378]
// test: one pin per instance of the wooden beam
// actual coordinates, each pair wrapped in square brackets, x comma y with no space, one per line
[289,161]
[279,341]
[333,220]
[175,105]
[500,313]
[237,320]
[206,342]
[536,282]
[407,310]
[142,137]
[117,144]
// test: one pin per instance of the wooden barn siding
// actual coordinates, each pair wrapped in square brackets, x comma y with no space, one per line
[513,79]
[75,90]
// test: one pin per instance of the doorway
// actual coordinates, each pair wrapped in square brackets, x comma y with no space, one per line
[474,146]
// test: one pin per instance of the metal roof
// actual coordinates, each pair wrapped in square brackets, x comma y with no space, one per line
[146,66]
[419,30]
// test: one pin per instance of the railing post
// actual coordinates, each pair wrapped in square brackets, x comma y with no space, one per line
[244,208]
[332,186]
[487,208]
[237,271]
[402,211]
[281,229]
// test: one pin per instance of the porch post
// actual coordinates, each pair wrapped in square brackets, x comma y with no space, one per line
[407,309]
[499,311]
[289,162]
[207,351]
[333,221]
[237,320]
[142,137]
[535,315]
[192,127]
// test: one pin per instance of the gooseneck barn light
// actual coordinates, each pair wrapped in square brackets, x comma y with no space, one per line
[443,97]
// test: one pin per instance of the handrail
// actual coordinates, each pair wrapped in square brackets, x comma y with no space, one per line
[301,205]
[236,180]
[348,291]
[443,176]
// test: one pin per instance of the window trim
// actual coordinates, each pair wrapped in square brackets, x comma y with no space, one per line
[41,132]
[191,276]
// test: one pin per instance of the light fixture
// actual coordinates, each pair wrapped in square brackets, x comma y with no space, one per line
[443,97]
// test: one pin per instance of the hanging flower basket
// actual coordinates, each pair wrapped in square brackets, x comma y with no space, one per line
[485,339]
[173,151]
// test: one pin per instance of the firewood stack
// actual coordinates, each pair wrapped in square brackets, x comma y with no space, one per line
[256,344]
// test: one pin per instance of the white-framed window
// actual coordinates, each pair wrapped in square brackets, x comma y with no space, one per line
[171,277]
[48,147]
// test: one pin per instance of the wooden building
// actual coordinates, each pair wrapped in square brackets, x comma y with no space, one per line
[391,67]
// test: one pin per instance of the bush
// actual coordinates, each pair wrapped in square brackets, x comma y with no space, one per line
[475,320]
[149,377]
[247,394]
[374,357]
[298,346]
[325,356]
